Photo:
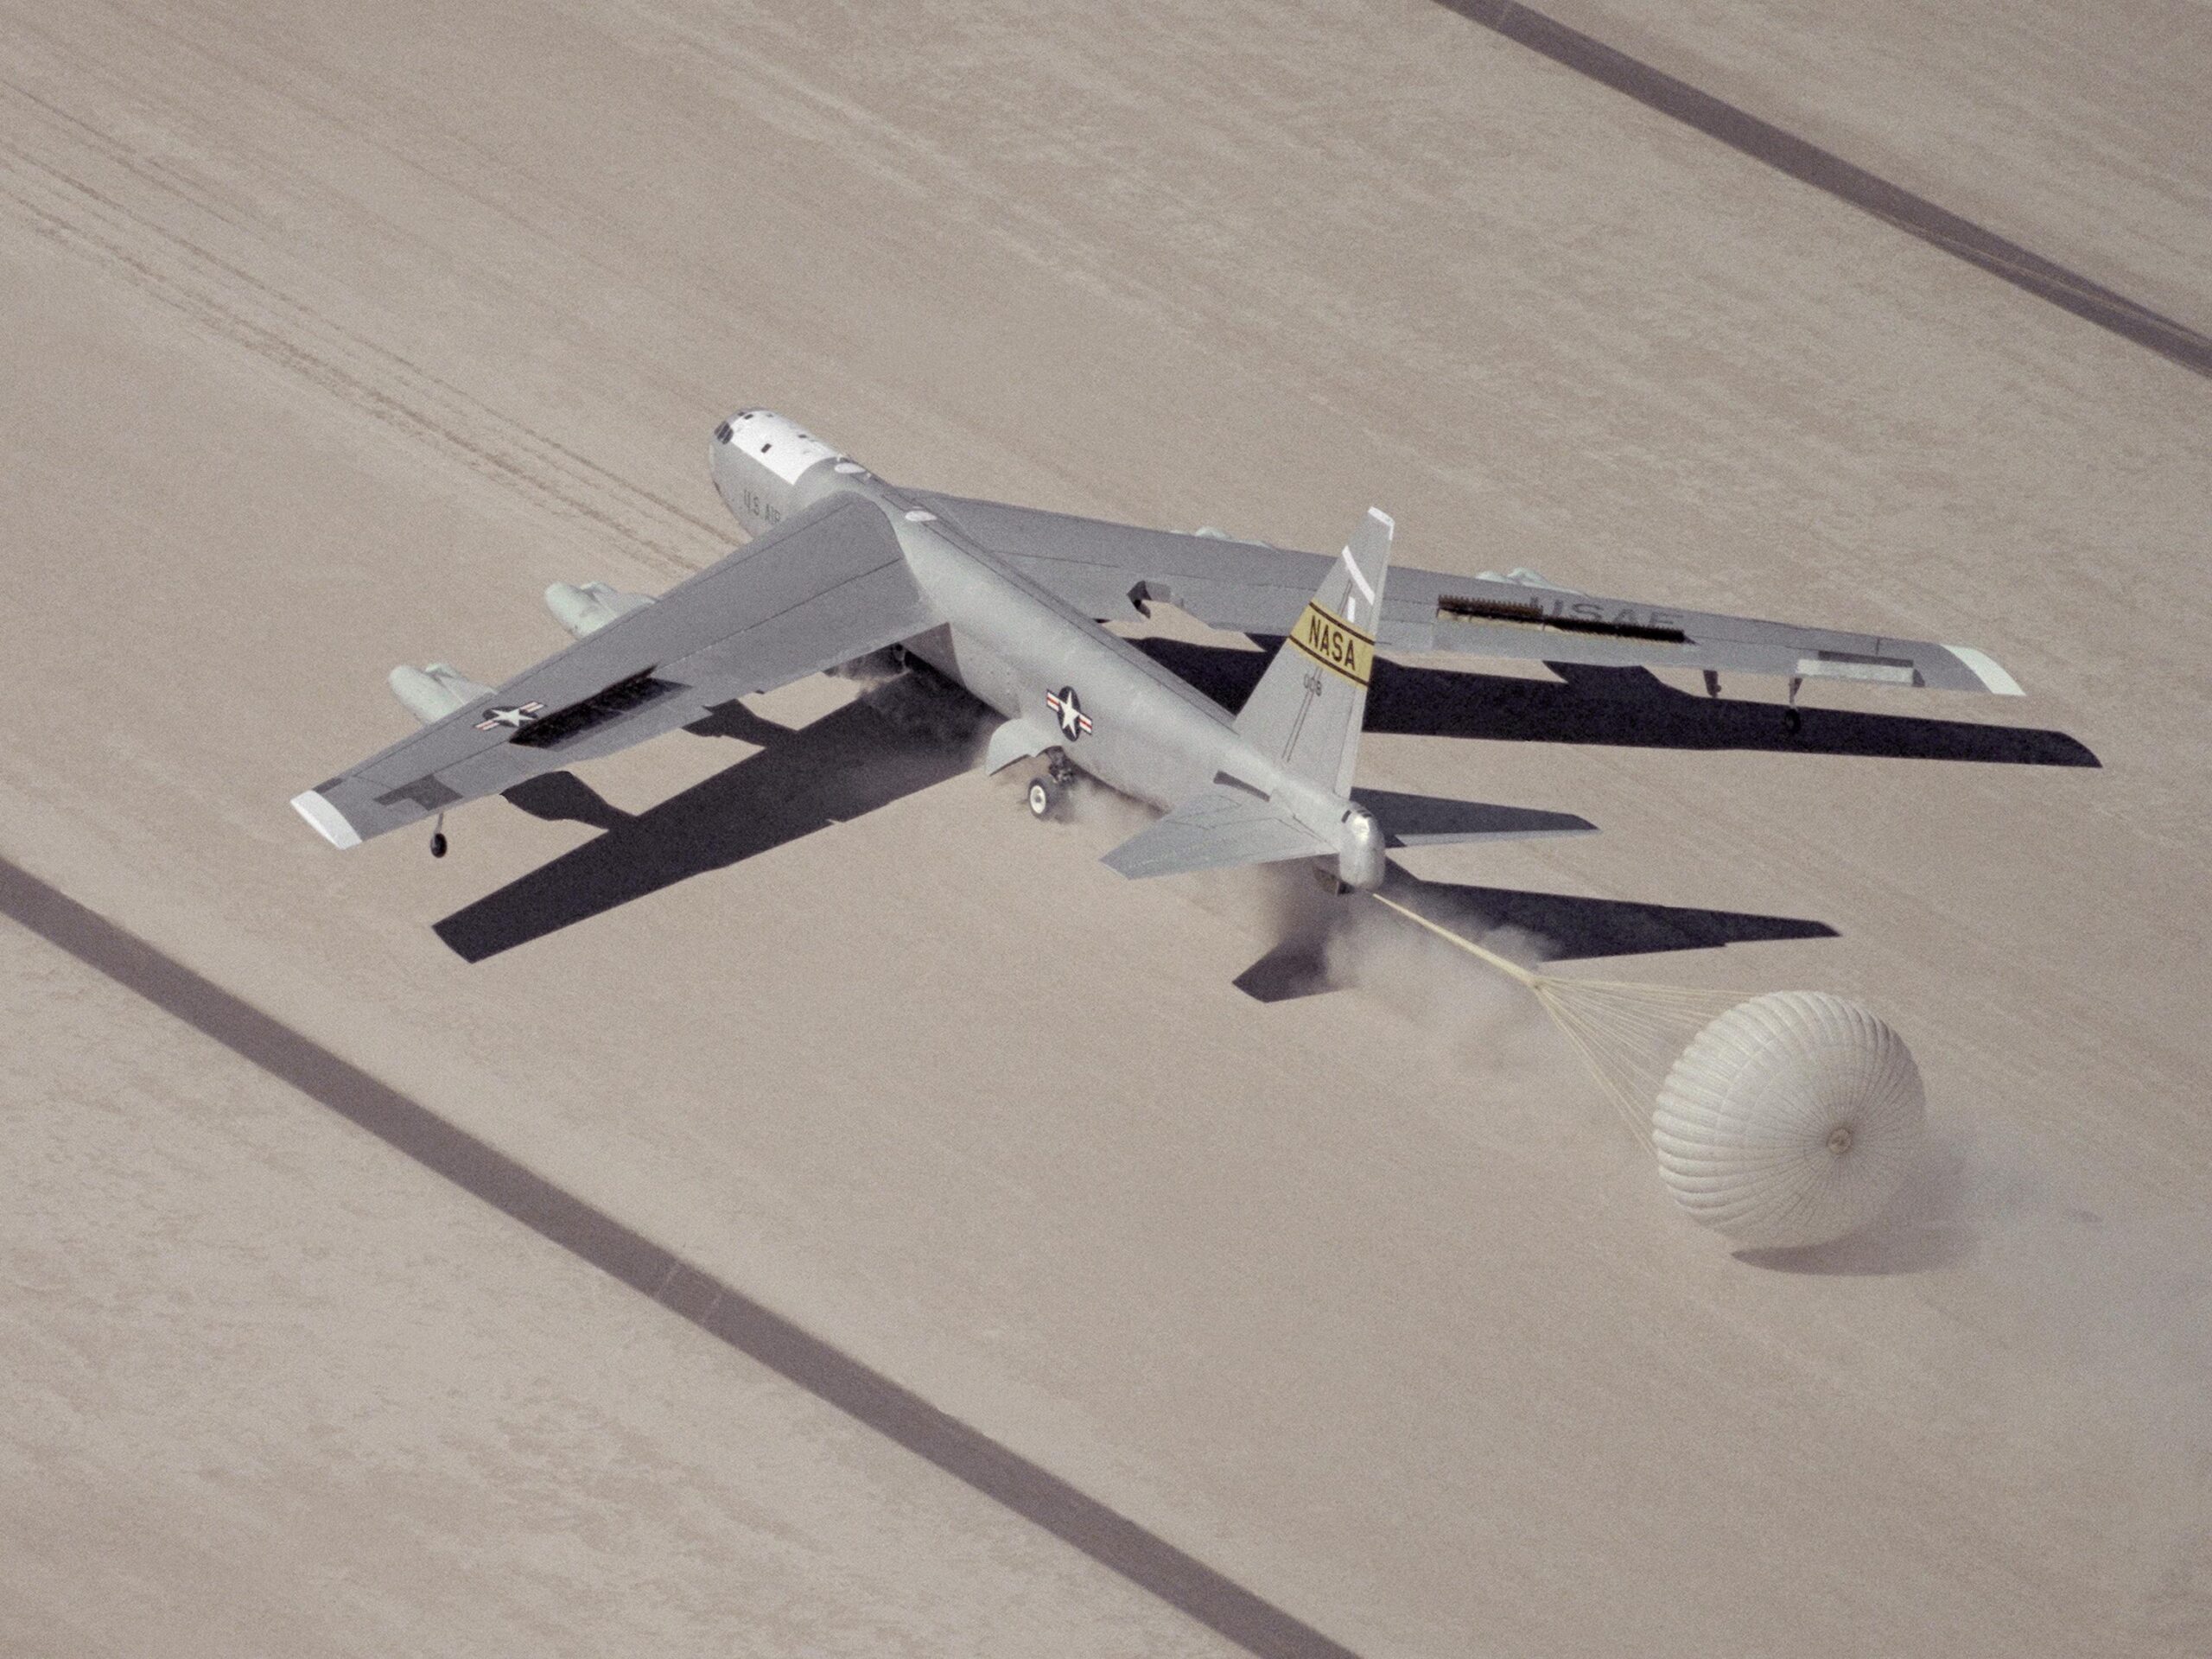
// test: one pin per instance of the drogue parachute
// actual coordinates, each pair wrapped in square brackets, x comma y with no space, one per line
[1791,1119]
[1779,1121]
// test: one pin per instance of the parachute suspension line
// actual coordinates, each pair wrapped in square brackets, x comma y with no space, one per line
[1511,970]
[1781,1120]
[1627,1034]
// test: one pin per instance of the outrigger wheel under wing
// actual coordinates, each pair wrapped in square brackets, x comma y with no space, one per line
[825,585]
[1112,571]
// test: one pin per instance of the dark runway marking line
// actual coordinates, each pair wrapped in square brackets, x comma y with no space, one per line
[898,1414]
[1810,164]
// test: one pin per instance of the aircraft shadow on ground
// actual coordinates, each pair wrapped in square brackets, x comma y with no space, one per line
[1536,928]
[1630,707]
[890,743]
[900,738]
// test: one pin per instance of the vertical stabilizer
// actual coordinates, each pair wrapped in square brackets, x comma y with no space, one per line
[1307,708]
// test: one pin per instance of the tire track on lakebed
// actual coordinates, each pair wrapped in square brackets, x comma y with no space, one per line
[1826,171]
[716,1307]
[74,186]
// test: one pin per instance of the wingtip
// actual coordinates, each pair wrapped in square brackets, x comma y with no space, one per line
[1985,668]
[325,819]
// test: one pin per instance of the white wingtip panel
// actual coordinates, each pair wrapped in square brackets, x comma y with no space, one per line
[327,821]
[1985,668]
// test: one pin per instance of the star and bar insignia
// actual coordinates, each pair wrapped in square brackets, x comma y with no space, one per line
[516,717]
[1067,708]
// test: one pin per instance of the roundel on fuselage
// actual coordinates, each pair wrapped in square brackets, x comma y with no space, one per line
[1067,710]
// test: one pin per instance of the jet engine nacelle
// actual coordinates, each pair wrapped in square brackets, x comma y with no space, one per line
[433,692]
[587,607]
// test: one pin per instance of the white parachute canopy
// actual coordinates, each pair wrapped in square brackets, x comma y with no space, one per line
[1790,1119]
[1783,1120]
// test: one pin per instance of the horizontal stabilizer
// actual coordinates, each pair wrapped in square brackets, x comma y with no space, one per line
[1216,829]
[1429,821]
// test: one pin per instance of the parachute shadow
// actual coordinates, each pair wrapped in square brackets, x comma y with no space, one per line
[1627,707]
[1878,1251]
[1547,927]
[848,763]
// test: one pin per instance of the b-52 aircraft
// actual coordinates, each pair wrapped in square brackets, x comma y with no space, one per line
[1012,603]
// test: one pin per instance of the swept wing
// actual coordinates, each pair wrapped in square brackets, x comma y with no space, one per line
[827,585]
[1113,571]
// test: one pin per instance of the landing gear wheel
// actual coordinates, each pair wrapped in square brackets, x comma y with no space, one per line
[1792,721]
[1044,798]
[438,845]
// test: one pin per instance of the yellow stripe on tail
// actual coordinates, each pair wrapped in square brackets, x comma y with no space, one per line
[1336,645]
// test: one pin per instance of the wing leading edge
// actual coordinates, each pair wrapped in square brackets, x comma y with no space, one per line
[827,585]
[1113,571]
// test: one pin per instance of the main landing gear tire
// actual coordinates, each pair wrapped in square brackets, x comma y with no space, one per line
[1792,721]
[438,845]
[1044,798]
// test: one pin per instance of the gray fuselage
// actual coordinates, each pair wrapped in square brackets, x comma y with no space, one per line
[1134,725]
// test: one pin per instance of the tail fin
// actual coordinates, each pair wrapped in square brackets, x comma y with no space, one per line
[1307,708]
